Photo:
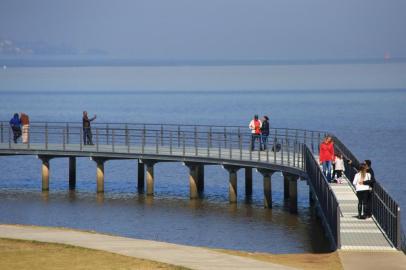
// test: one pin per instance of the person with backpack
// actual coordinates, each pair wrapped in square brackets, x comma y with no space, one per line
[265,132]
[15,125]
[255,127]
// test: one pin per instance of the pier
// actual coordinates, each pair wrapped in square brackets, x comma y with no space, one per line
[197,146]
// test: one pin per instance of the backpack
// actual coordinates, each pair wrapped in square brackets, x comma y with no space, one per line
[257,125]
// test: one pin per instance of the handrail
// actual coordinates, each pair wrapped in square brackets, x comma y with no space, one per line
[384,208]
[329,205]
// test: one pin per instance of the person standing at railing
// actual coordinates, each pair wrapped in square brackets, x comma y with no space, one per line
[265,132]
[87,131]
[362,190]
[25,122]
[255,127]
[326,156]
[15,125]
[370,183]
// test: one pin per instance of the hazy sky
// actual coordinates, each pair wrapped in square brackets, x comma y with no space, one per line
[213,29]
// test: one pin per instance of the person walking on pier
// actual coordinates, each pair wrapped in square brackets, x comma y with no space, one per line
[370,183]
[25,122]
[265,132]
[255,127]
[15,125]
[87,131]
[362,190]
[339,167]
[326,156]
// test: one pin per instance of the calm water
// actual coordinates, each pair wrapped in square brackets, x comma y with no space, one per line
[371,122]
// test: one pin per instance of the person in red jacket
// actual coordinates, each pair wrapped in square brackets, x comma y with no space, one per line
[326,156]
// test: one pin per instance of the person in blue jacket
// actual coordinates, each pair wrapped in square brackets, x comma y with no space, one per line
[15,125]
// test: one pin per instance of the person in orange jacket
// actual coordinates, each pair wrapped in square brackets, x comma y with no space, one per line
[326,156]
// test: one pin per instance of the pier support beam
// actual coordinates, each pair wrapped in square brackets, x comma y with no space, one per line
[99,174]
[72,173]
[267,174]
[193,179]
[45,172]
[200,183]
[285,188]
[248,181]
[292,180]
[232,189]
[141,177]
[150,176]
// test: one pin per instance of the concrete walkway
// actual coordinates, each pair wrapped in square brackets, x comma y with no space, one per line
[186,256]
[358,260]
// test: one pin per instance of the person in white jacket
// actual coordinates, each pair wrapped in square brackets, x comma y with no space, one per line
[339,167]
[362,190]
[255,127]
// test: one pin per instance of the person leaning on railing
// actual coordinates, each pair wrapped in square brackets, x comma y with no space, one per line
[265,132]
[25,122]
[255,127]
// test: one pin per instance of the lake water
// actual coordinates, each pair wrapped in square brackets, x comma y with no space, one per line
[368,113]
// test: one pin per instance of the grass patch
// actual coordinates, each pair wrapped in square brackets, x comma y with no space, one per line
[32,255]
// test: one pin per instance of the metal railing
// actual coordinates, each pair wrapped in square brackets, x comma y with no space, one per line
[176,140]
[385,209]
[328,202]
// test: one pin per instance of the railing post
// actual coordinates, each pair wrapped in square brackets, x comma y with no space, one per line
[46,136]
[81,138]
[156,142]
[170,142]
[195,139]
[67,133]
[107,133]
[208,144]
[179,136]
[183,140]
[210,136]
[97,139]
[312,142]
[225,137]
[282,152]
[1,128]
[113,140]
[143,141]
[305,137]
[240,143]
[294,152]
[398,230]
[126,134]
[219,138]
[64,139]
[230,145]
[9,137]
[162,135]
[129,140]
[287,146]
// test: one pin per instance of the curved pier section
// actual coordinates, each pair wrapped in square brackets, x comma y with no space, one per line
[197,146]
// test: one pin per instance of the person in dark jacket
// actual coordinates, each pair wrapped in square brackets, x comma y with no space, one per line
[15,125]
[87,131]
[265,132]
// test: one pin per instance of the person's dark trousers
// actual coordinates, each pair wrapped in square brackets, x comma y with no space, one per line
[255,137]
[362,202]
[87,136]
[16,133]
[264,139]
[368,210]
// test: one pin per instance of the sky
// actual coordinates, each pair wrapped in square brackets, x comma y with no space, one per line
[212,29]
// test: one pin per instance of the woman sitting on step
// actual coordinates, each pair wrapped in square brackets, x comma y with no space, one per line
[362,190]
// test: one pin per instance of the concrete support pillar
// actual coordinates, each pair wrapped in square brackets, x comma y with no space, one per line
[45,173]
[248,181]
[141,177]
[200,183]
[292,180]
[232,189]
[267,174]
[150,177]
[285,188]
[193,180]
[100,175]
[72,173]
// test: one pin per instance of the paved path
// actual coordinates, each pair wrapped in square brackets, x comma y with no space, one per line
[372,260]
[186,256]
[357,234]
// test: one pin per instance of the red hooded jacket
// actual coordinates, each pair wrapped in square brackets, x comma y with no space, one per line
[326,152]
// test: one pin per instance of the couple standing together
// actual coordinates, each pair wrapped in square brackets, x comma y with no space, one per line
[259,131]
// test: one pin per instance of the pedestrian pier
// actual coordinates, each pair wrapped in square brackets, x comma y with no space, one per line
[197,146]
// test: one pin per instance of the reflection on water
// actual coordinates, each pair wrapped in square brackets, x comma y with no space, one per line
[178,220]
